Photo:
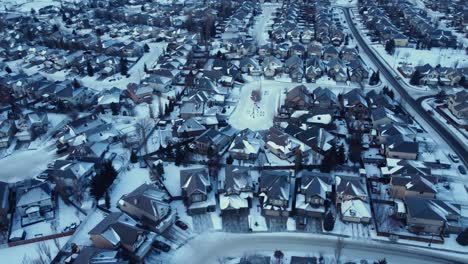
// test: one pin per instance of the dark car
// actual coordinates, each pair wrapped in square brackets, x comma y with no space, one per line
[181,225]
[161,245]
[462,170]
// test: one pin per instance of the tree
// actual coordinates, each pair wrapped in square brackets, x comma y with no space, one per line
[298,160]
[107,200]
[146,47]
[329,160]
[145,68]
[123,66]
[340,155]
[160,168]
[229,160]
[133,157]
[415,78]
[103,180]
[355,148]
[462,238]
[76,83]
[329,221]
[8,69]
[338,249]
[381,261]
[390,46]
[279,255]
[114,108]
[89,69]
[179,157]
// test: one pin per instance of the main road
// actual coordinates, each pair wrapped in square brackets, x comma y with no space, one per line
[212,247]
[454,143]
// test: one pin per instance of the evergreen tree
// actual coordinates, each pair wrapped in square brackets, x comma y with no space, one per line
[133,157]
[107,200]
[89,69]
[329,160]
[160,168]
[8,69]
[103,180]
[146,47]
[114,108]
[329,221]
[341,156]
[298,160]
[229,160]
[462,238]
[76,83]
[415,78]
[390,46]
[123,66]
[355,148]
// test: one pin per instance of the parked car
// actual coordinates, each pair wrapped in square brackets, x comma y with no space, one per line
[143,164]
[454,158]
[161,246]
[181,225]
[462,170]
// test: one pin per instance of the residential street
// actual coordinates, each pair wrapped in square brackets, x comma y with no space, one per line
[211,246]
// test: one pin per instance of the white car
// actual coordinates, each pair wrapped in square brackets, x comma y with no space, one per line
[454,157]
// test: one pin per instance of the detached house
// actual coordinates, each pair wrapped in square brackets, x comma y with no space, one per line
[34,203]
[458,104]
[119,230]
[413,186]
[274,193]
[236,191]
[196,185]
[314,190]
[246,145]
[150,206]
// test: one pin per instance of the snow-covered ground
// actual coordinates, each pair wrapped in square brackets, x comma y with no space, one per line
[258,115]
[415,57]
[25,164]
[29,252]
[127,181]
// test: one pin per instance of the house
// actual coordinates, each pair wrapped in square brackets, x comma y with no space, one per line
[72,175]
[191,109]
[337,70]
[283,145]
[413,186]
[294,62]
[4,204]
[355,102]
[274,193]
[404,167]
[382,116]
[430,216]
[356,211]
[350,188]
[251,66]
[212,142]
[196,185]
[330,52]
[246,145]
[297,98]
[236,191]
[139,93]
[357,70]
[35,203]
[324,98]
[458,104]
[317,138]
[314,190]
[271,66]
[93,255]
[190,127]
[118,230]
[401,147]
[315,68]
[150,206]
[7,130]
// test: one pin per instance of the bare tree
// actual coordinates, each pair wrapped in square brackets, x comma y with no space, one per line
[143,127]
[45,256]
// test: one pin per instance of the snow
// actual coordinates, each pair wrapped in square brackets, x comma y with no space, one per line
[13,168]
[127,181]
[18,254]
[258,115]
[415,57]
[171,178]
[212,246]
[260,28]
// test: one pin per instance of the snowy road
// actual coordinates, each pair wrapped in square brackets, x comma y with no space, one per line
[25,164]
[208,248]
[260,28]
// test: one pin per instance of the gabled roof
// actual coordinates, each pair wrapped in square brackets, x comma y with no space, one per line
[194,181]
[430,208]
[415,183]
[349,185]
[275,184]
[315,184]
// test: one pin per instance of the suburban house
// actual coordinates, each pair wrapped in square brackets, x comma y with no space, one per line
[246,145]
[401,147]
[196,187]
[458,104]
[432,216]
[275,193]
[314,190]
[150,206]
[414,186]
[236,191]
[73,175]
[118,230]
[35,203]
[7,130]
